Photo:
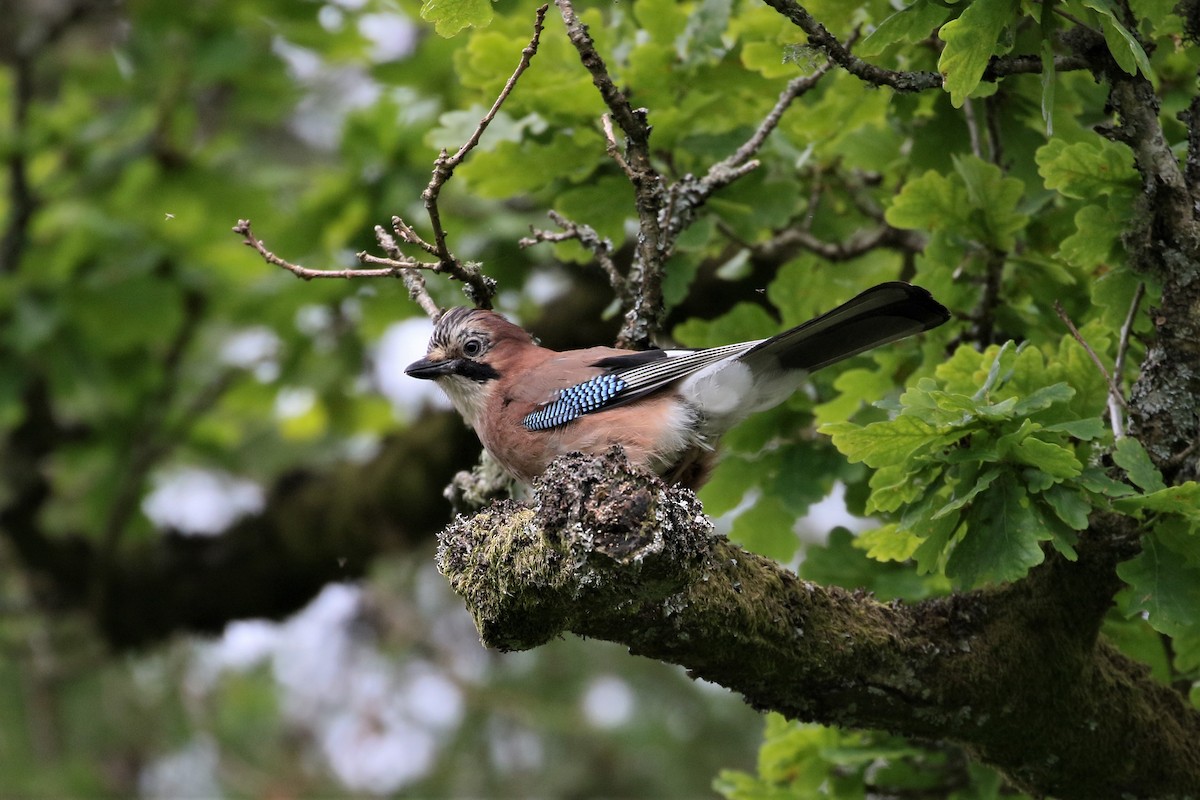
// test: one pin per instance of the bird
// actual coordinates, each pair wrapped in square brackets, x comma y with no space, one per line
[666,408]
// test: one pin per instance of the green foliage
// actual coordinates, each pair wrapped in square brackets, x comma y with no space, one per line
[1164,578]
[977,202]
[983,462]
[971,40]
[150,132]
[976,483]
[451,16]
[909,25]
[1124,46]
[799,760]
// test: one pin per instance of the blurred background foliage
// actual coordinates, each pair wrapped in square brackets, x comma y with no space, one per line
[162,383]
[185,377]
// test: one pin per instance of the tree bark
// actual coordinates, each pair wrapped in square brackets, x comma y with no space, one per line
[1018,674]
[316,527]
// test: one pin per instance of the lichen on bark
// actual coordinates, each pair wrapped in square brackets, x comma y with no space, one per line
[1017,674]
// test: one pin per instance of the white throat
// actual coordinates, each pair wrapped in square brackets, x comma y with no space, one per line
[466,395]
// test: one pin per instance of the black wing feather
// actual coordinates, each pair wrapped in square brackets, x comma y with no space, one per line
[628,378]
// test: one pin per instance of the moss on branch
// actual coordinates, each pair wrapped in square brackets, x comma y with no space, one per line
[1016,674]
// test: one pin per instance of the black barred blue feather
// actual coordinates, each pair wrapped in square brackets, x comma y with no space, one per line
[575,401]
[629,378]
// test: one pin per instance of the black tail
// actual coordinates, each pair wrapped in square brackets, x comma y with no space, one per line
[881,314]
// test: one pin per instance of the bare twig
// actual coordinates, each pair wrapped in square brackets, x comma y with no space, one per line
[600,247]
[795,88]
[391,270]
[418,292]
[820,37]
[859,243]
[632,122]
[644,311]
[968,111]
[409,236]
[663,212]
[1127,328]
[1004,66]
[480,289]
[614,150]
[687,195]
[1115,411]
[396,264]
[1115,395]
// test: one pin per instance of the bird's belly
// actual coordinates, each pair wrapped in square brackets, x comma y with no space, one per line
[655,433]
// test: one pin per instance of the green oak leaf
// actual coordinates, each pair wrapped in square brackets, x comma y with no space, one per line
[970,44]
[1130,456]
[451,16]
[1001,541]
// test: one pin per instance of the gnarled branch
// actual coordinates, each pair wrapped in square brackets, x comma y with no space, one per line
[1018,674]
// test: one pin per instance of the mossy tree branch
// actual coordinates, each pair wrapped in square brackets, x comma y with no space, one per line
[314,528]
[1017,674]
[1164,244]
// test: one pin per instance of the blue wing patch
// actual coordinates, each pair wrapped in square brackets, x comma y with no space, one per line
[575,401]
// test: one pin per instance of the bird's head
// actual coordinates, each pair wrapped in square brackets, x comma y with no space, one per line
[466,356]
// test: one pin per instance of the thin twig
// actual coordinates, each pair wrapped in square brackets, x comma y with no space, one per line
[695,193]
[418,292]
[614,150]
[1114,391]
[984,329]
[392,270]
[1115,413]
[1127,327]
[918,81]
[822,39]
[857,244]
[409,236]
[445,164]
[644,311]
[968,112]
[599,246]
[795,88]
[689,194]
[632,122]
[479,287]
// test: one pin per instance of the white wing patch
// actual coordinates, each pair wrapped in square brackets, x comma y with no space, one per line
[718,390]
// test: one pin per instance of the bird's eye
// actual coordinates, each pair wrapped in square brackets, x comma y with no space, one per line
[472,348]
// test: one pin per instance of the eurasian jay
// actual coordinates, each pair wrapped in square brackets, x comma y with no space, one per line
[666,408]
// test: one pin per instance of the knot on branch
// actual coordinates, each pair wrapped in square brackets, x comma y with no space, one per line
[599,532]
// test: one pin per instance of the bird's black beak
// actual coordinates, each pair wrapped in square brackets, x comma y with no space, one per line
[428,370]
